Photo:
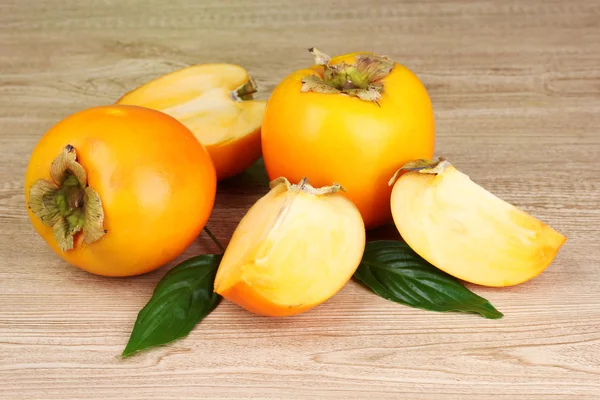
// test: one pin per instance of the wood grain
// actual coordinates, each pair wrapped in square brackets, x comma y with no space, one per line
[516,89]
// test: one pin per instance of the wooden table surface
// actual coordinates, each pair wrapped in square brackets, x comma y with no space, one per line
[516,91]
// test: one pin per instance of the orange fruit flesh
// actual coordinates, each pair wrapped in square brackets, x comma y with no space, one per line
[291,252]
[466,231]
[202,98]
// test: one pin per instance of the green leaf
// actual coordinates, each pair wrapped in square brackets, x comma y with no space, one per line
[254,177]
[257,173]
[181,299]
[395,272]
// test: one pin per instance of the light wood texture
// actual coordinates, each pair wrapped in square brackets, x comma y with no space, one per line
[516,90]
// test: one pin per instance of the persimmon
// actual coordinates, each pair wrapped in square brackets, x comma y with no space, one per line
[466,231]
[353,119]
[295,248]
[215,102]
[119,190]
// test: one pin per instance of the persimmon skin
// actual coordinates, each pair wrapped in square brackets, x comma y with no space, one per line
[157,184]
[234,157]
[338,138]
[244,296]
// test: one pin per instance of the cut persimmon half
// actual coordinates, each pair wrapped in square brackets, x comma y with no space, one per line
[215,102]
[295,248]
[466,231]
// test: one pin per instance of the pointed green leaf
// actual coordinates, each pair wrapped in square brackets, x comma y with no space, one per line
[395,272]
[182,298]
[254,177]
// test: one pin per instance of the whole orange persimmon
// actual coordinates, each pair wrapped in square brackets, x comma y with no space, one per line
[119,190]
[353,119]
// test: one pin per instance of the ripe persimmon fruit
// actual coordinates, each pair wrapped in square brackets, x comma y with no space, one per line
[295,248]
[353,119]
[466,231]
[119,190]
[215,101]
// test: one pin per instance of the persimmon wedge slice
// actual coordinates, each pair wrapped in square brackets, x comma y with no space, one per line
[466,231]
[294,249]
[215,102]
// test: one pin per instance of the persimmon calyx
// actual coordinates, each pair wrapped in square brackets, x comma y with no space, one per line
[245,91]
[66,203]
[422,166]
[304,186]
[362,79]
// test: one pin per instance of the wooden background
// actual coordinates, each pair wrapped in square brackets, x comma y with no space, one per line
[516,89]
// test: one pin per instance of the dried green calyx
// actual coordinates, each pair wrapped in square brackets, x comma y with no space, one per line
[362,79]
[66,203]
[305,187]
[245,91]
[422,166]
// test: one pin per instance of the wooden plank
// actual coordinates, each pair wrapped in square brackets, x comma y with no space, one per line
[516,90]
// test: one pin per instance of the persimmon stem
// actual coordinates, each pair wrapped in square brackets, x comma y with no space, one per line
[71,195]
[245,91]
[214,239]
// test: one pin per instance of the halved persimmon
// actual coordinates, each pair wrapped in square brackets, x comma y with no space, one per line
[294,249]
[215,102]
[466,231]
